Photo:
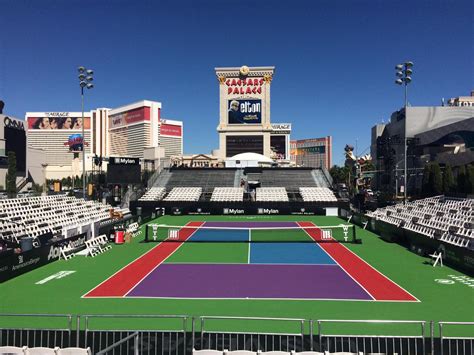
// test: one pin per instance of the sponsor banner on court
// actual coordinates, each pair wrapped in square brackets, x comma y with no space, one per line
[17,264]
[244,111]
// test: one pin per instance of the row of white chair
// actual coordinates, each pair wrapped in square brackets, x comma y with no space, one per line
[271,194]
[44,351]
[154,194]
[184,194]
[97,245]
[227,194]
[323,194]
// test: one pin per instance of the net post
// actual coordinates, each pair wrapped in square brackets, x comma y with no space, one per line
[146,233]
[356,241]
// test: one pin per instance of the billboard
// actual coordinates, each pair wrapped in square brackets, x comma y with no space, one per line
[243,144]
[170,130]
[123,170]
[75,143]
[244,111]
[56,122]
[15,141]
[278,146]
[129,117]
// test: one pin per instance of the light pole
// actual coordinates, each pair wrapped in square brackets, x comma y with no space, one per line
[85,81]
[403,73]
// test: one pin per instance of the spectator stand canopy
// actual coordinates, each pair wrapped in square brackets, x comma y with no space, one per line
[245,160]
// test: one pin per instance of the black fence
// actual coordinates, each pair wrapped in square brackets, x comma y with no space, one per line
[182,334]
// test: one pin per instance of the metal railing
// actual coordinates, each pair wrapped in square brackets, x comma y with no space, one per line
[114,346]
[249,340]
[389,344]
[232,333]
[48,336]
[154,340]
[456,345]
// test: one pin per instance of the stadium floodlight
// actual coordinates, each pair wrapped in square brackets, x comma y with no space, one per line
[405,78]
[85,78]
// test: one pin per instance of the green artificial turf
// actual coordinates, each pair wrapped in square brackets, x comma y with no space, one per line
[438,301]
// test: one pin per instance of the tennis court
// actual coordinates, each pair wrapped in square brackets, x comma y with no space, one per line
[251,260]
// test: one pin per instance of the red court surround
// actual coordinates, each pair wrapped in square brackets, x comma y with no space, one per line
[119,284]
[378,285]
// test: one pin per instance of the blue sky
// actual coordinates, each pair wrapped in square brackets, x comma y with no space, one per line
[334,59]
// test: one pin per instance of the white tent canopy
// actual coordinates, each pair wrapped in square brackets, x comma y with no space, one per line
[248,160]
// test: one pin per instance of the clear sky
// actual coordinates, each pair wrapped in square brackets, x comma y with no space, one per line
[334,59]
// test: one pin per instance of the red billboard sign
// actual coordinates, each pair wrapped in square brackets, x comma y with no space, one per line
[171,130]
[129,117]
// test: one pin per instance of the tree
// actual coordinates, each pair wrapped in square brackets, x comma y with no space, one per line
[426,187]
[11,175]
[461,179]
[448,180]
[435,179]
[339,174]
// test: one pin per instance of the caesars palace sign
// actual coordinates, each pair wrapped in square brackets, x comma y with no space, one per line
[244,86]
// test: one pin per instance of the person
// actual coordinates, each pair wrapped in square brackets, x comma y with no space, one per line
[42,123]
[67,123]
[54,123]
[234,112]
[78,123]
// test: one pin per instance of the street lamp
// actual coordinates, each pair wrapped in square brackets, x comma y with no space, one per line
[85,81]
[403,73]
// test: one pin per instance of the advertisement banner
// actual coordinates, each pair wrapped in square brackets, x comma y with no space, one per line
[128,117]
[75,143]
[17,264]
[56,122]
[244,111]
[171,130]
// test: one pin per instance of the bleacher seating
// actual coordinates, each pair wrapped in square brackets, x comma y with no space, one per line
[291,179]
[37,216]
[271,194]
[447,219]
[154,194]
[227,194]
[184,194]
[313,194]
[206,179]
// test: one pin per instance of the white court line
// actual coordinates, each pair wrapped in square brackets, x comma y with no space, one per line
[373,298]
[174,251]
[417,300]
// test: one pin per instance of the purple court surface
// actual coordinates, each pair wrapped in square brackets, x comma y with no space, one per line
[249,281]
